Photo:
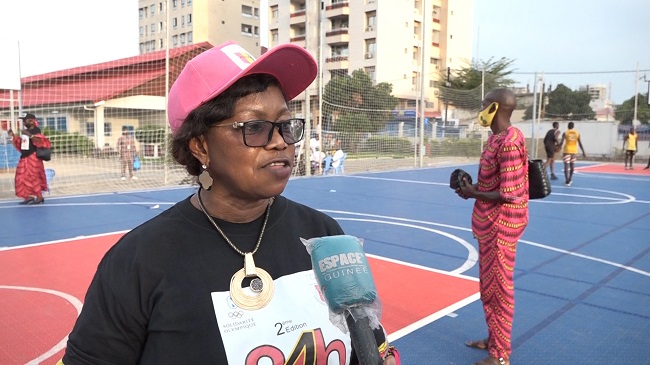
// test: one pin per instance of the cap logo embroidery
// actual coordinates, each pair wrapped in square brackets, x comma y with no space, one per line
[238,55]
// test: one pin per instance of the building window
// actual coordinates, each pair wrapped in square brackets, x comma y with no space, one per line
[175,23]
[56,123]
[160,7]
[90,129]
[182,38]
[246,29]
[247,11]
[141,31]
[275,37]
[161,44]
[153,9]
[189,19]
[371,48]
[175,40]
[61,124]
[339,50]
[142,11]
[160,26]
[370,71]
[153,28]
[371,21]
[108,129]
[183,3]
[189,37]
[274,13]
[295,107]
[182,20]
[175,4]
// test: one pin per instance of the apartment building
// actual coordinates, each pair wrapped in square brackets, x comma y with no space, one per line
[196,21]
[394,41]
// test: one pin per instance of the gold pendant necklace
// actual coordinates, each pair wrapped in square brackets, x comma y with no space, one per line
[261,284]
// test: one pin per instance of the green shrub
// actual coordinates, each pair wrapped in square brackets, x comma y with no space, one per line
[151,134]
[64,142]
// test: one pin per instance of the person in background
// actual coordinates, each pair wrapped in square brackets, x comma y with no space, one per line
[337,156]
[317,156]
[222,277]
[30,179]
[571,141]
[630,147]
[126,148]
[499,219]
[552,146]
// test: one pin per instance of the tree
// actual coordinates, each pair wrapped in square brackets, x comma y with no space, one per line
[464,89]
[353,104]
[563,103]
[625,112]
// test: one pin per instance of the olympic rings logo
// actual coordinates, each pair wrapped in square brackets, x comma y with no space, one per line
[236,314]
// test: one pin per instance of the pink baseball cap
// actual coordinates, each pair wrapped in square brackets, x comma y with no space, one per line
[213,71]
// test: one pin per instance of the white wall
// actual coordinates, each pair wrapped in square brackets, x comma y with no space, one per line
[599,139]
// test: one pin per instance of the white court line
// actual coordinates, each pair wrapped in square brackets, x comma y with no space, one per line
[539,245]
[472,257]
[76,303]
[449,310]
[147,203]
[64,240]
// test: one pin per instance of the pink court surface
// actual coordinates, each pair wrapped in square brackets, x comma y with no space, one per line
[610,168]
[44,286]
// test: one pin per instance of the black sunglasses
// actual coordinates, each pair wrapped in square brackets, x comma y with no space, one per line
[258,133]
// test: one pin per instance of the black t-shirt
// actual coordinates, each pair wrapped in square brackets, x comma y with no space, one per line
[549,140]
[32,147]
[149,302]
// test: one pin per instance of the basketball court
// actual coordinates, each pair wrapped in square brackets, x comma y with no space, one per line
[582,276]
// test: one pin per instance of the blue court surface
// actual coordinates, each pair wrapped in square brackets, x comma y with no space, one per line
[582,276]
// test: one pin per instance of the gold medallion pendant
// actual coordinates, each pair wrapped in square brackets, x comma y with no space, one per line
[262,286]
[262,283]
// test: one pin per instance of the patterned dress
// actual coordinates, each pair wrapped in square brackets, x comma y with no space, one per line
[30,179]
[498,226]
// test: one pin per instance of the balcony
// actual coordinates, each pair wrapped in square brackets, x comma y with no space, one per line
[298,17]
[336,62]
[297,38]
[338,9]
[336,36]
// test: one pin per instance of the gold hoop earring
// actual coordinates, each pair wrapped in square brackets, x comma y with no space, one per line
[205,179]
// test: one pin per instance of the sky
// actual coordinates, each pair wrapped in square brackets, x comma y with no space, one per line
[574,42]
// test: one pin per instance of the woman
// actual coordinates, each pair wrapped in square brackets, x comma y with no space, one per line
[31,181]
[170,291]
[499,219]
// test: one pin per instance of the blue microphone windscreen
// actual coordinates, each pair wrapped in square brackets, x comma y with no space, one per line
[342,271]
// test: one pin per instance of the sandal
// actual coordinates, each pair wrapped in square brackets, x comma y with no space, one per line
[28,200]
[489,360]
[478,344]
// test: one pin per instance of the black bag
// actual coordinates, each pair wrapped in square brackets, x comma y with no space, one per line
[539,185]
[44,154]
[456,179]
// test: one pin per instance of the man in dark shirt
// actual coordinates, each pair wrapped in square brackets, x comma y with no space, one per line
[552,146]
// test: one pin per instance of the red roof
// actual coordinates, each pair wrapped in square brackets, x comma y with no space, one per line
[104,81]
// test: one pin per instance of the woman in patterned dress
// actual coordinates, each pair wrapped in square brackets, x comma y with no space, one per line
[499,219]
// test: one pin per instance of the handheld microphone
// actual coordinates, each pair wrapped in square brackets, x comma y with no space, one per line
[343,274]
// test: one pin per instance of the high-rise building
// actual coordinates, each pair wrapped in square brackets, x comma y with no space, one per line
[393,41]
[196,21]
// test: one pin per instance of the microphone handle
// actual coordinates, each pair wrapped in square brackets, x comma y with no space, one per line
[363,338]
